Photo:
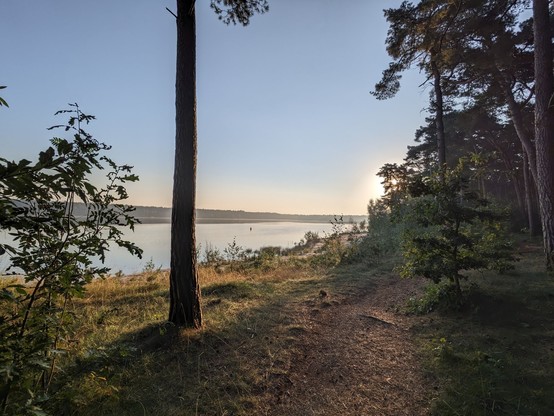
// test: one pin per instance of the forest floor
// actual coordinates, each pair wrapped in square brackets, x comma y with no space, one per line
[293,340]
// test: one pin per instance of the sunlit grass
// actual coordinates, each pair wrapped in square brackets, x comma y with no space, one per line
[128,360]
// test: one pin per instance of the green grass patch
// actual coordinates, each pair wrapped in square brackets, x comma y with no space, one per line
[127,360]
[496,356]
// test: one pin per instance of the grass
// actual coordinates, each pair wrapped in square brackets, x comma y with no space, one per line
[130,362]
[496,356]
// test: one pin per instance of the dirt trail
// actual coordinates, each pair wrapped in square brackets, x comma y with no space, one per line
[356,357]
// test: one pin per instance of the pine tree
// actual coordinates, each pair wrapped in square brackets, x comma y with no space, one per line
[184,287]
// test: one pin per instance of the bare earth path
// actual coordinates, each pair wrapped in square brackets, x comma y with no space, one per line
[355,357]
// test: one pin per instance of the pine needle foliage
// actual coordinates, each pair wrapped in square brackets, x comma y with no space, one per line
[456,230]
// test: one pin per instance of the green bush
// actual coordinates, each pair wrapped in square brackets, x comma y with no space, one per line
[267,258]
[60,222]
[383,235]
[233,251]
[454,230]
[212,256]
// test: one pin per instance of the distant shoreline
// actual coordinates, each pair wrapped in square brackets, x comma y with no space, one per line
[157,220]
[159,215]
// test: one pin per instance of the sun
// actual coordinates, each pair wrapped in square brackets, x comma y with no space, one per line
[376,189]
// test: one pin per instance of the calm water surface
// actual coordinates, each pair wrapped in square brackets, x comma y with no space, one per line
[154,240]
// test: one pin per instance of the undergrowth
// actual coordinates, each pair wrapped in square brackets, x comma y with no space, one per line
[494,356]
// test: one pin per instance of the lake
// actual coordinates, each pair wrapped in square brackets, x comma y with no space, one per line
[154,240]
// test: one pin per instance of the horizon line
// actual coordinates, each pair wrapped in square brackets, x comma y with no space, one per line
[257,212]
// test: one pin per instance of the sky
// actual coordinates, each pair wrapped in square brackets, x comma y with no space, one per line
[286,122]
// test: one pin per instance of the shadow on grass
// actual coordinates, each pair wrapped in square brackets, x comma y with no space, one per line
[499,311]
[246,347]
[496,357]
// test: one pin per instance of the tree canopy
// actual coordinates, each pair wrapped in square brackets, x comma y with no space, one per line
[487,65]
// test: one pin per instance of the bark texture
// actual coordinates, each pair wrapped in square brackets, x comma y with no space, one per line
[184,288]
[439,116]
[544,126]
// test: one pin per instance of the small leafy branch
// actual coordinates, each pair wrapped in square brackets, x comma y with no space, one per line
[54,246]
[233,250]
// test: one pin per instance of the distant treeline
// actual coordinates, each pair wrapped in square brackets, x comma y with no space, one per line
[215,216]
[153,215]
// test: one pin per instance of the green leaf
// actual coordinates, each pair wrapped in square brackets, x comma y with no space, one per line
[20,289]
[46,156]
[91,189]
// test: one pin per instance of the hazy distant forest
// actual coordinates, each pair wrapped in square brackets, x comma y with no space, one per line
[326,327]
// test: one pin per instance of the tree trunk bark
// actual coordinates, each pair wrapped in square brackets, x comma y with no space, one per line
[519,195]
[544,124]
[530,198]
[184,288]
[439,117]
[521,130]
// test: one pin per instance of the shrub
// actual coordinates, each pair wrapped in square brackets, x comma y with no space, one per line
[233,250]
[382,231]
[435,296]
[212,256]
[55,241]
[267,258]
[311,237]
[457,230]
[339,246]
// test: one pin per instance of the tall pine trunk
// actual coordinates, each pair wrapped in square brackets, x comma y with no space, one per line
[439,116]
[184,288]
[544,124]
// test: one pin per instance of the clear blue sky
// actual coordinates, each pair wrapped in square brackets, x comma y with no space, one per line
[285,119]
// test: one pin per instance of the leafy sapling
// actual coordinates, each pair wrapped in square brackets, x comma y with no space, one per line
[59,221]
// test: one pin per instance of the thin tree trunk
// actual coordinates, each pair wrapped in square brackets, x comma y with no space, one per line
[544,124]
[530,198]
[184,288]
[439,117]
[480,187]
[519,196]
[516,114]
[512,173]
[521,131]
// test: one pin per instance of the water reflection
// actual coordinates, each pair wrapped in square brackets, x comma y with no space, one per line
[154,240]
